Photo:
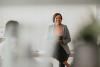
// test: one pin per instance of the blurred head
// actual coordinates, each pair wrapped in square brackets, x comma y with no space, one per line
[57,18]
[12,28]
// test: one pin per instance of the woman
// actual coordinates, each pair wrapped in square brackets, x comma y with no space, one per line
[63,38]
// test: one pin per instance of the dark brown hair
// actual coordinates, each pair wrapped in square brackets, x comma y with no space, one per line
[56,14]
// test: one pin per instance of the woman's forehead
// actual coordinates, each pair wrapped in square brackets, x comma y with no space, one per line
[58,16]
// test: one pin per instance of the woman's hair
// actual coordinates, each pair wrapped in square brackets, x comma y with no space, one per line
[56,14]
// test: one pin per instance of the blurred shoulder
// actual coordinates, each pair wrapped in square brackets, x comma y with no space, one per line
[51,25]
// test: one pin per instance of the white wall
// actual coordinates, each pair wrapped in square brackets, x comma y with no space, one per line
[42,15]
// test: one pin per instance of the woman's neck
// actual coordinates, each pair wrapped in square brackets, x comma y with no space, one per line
[58,25]
[58,30]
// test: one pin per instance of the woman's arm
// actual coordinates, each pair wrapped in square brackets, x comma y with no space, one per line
[66,38]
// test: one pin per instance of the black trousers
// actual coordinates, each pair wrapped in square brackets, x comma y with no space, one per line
[61,64]
[61,55]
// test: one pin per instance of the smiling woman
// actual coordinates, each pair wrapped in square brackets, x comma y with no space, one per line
[60,31]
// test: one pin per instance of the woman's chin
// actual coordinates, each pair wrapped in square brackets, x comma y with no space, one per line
[57,24]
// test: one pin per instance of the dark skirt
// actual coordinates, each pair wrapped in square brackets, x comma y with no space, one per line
[60,54]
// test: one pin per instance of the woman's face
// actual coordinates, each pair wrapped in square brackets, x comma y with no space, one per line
[58,20]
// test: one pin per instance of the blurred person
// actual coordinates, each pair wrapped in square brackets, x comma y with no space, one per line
[17,49]
[85,44]
[8,51]
[61,32]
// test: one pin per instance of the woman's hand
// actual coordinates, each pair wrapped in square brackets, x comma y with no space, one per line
[66,63]
[60,42]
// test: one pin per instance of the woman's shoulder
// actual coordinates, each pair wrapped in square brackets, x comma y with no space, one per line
[51,26]
[64,25]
